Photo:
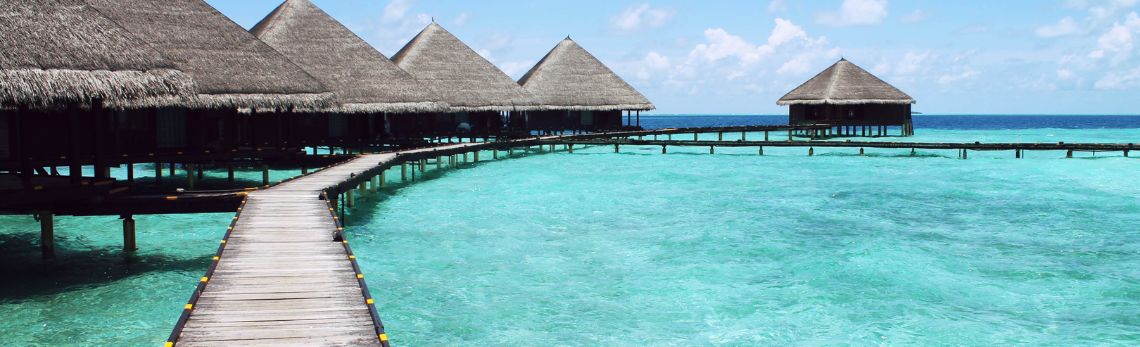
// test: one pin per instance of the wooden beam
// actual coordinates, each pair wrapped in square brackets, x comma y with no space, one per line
[129,244]
[47,235]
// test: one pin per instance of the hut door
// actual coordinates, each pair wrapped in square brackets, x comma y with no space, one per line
[5,138]
[171,124]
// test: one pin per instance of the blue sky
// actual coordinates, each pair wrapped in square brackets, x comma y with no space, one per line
[739,57]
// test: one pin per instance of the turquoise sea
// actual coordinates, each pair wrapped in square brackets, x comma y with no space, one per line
[639,248]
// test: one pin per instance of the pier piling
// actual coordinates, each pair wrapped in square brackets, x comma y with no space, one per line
[157,173]
[47,235]
[129,244]
[265,175]
[811,151]
[130,173]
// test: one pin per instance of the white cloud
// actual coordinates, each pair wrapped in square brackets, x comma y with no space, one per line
[396,9]
[1066,26]
[652,65]
[777,6]
[855,12]
[965,74]
[915,17]
[516,69]
[1119,40]
[1120,80]
[462,19]
[641,17]
[1065,74]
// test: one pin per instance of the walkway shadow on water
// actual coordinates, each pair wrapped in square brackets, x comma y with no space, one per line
[26,275]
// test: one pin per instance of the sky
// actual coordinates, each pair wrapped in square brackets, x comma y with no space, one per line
[739,57]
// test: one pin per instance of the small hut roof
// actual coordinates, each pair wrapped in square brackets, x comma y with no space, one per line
[363,79]
[843,84]
[57,52]
[462,77]
[570,78]
[233,68]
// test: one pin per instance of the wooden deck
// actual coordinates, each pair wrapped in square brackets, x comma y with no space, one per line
[281,276]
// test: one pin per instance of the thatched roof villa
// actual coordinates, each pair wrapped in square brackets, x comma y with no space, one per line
[478,92]
[63,64]
[59,52]
[849,98]
[579,92]
[233,68]
[366,83]
[464,79]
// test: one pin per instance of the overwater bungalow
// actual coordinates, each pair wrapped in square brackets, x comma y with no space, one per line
[378,102]
[243,84]
[850,99]
[578,92]
[66,75]
[479,93]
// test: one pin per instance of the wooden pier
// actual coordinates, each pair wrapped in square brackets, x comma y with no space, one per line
[285,275]
[963,148]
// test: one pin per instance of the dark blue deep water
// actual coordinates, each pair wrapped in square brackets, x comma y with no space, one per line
[962,122]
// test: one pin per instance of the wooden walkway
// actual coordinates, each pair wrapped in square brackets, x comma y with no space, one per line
[283,277]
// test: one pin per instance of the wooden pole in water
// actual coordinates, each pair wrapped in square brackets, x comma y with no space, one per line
[438,163]
[348,200]
[404,171]
[130,173]
[47,235]
[495,153]
[304,169]
[712,150]
[383,178]
[476,155]
[1126,153]
[190,177]
[860,150]
[157,173]
[811,151]
[720,136]
[761,151]
[912,152]
[695,137]
[570,148]
[965,154]
[1069,154]
[129,244]
[423,165]
[765,136]
[616,148]
[663,150]
[172,173]
[230,172]
[1017,153]
[265,175]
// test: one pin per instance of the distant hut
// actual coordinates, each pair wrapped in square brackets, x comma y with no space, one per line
[62,67]
[478,92]
[371,89]
[234,71]
[578,92]
[850,99]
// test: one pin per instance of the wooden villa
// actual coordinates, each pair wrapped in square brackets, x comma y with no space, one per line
[377,101]
[67,73]
[479,93]
[852,101]
[578,92]
[244,85]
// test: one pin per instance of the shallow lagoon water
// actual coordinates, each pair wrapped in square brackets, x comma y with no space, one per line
[638,248]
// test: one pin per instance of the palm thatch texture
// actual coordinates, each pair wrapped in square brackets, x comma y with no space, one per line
[363,79]
[570,78]
[58,52]
[233,69]
[465,80]
[845,83]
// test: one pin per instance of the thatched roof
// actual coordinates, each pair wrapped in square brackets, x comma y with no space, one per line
[462,77]
[570,78]
[363,79]
[57,52]
[233,69]
[844,84]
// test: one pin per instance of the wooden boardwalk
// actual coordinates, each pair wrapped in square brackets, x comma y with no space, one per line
[282,277]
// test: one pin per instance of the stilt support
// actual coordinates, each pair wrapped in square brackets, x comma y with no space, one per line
[129,244]
[264,175]
[47,235]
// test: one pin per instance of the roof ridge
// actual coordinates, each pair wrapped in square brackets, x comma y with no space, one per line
[833,80]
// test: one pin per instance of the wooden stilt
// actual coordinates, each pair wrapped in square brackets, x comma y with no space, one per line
[965,154]
[720,136]
[130,173]
[495,153]
[201,172]
[423,165]
[190,176]
[383,178]
[664,150]
[438,163]
[264,175]
[230,173]
[47,235]
[570,148]
[375,184]
[811,151]
[765,137]
[712,150]
[912,152]
[129,244]
[616,148]
[348,200]
[1126,153]
[157,173]
[761,151]
[172,173]
[1017,153]
[695,138]
[861,151]
[404,172]
[475,156]
[1069,154]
